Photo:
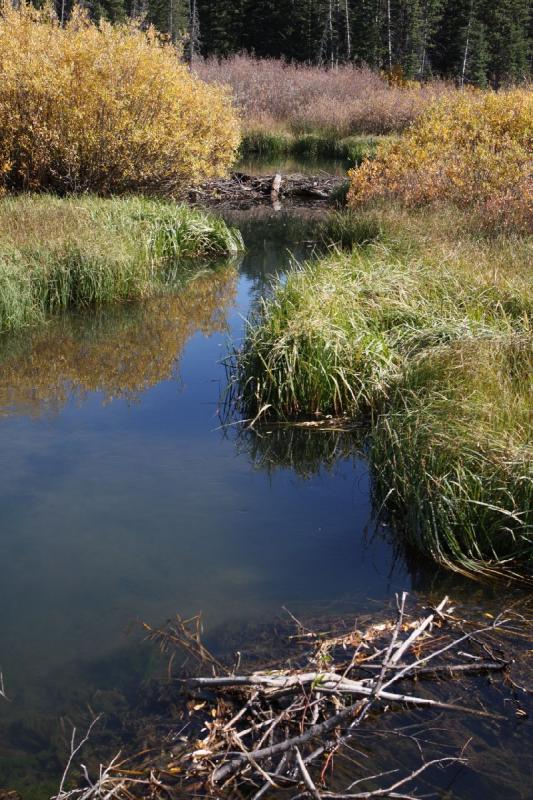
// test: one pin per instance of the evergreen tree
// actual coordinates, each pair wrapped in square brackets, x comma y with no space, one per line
[469,41]
[508,36]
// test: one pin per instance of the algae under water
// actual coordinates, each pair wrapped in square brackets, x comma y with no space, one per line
[123,499]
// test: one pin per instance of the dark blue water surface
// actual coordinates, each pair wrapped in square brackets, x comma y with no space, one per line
[123,499]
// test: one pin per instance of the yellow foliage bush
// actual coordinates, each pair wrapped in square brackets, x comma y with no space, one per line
[471,148]
[104,108]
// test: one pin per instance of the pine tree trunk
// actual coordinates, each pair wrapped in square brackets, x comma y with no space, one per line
[330,26]
[389,34]
[348,31]
[467,44]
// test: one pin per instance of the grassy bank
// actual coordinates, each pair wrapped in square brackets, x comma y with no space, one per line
[423,332]
[57,254]
[453,455]
[310,145]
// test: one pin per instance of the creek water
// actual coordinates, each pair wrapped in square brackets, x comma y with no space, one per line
[124,498]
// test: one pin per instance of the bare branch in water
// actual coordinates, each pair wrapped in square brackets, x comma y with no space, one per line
[283,728]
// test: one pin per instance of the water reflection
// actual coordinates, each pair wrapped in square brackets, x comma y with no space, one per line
[118,353]
[274,241]
[307,450]
[111,512]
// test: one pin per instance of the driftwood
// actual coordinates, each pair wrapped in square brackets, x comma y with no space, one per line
[243,189]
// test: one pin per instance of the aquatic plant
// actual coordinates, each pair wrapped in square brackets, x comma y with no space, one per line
[57,253]
[104,108]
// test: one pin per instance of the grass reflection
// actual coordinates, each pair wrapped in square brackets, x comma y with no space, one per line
[119,352]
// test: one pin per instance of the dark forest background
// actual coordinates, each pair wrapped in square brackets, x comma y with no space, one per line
[480,42]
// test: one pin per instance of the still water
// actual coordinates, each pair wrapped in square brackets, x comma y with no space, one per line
[123,498]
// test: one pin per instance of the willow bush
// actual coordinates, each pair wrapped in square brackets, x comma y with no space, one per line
[104,108]
[471,148]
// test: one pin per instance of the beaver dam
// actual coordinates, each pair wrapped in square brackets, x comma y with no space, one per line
[298,726]
[243,189]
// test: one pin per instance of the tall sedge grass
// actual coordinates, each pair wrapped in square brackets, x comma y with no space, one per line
[453,456]
[274,96]
[57,253]
[352,333]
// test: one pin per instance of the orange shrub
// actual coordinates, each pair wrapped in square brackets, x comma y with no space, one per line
[472,148]
[104,108]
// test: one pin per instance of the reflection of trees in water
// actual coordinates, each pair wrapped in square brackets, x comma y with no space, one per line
[273,240]
[119,352]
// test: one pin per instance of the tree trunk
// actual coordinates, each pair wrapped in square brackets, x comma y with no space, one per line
[389,34]
[348,32]
[467,44]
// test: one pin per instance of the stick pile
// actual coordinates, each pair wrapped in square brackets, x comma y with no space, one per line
[277,728]
[241,189]
[256,733]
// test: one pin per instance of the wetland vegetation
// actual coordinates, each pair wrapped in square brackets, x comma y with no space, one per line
[71,253]
[423,330]
[386,369]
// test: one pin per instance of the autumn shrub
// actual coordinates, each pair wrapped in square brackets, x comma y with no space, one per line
[104,108]
[272,95]
[471,148]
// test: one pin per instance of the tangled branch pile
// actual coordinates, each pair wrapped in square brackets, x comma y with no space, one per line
[253,733]
[103,108]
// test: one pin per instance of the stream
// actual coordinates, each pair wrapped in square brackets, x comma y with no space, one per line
[125,499]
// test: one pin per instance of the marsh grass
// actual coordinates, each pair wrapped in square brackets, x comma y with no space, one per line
[276,142]
[76,252]
[421,320]
[453,455]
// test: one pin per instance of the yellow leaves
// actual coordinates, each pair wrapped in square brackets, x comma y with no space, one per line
[469,147]
[106,108]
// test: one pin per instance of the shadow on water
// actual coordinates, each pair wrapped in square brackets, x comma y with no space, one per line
[121,500]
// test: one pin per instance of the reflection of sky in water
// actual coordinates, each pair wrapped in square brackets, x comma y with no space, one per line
[130,508]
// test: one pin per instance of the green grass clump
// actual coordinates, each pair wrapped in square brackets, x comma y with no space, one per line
[76,252]
[352,149]
[266,143]
[453,456]
[387,333]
